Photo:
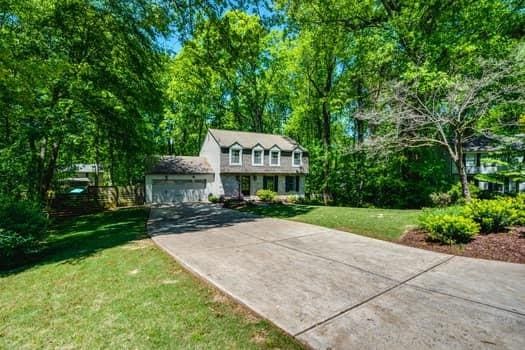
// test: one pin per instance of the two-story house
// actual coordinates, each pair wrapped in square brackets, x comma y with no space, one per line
[478,158]
[232,164]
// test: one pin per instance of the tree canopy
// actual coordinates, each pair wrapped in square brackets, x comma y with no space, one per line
[85,81]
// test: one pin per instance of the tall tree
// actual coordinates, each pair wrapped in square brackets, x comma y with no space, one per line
[78,66]
[223,77]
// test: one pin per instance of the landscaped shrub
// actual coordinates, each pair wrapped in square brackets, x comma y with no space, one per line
[23,225]
[441,199]
[493,215]
[453,196]
[456,193]
[518,205]
[266,195]
[213,199]
[448,226]
[293,199]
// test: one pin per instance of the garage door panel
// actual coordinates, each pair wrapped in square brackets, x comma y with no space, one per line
[178,190]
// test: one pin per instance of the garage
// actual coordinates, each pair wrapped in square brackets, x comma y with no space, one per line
[178,179]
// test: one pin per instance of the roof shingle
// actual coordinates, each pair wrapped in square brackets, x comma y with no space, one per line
[226,138]
[181,165]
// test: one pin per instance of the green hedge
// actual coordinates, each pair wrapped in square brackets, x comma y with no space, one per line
[23,225]
[493,215]
[459,224]
[449,228]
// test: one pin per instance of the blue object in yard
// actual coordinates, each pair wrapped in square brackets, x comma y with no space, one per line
[77,190]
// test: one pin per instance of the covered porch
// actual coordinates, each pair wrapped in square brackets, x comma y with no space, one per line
[247,185]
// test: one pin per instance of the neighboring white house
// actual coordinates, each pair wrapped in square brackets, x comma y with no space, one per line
[478,153]
[82,175]
[230,164]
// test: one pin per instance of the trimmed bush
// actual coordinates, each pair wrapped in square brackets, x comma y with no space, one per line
[23,225]
[493,215]
[213,199]
[266,195]
[448,227]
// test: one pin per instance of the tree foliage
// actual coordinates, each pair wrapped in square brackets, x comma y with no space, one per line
[87,81]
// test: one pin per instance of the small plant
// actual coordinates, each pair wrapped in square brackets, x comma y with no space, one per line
[448,227]
[493,215]
[266,195]
[213,199]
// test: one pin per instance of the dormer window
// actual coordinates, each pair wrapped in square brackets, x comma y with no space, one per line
[275,157]
[258,156]
[297,159]
[236,155]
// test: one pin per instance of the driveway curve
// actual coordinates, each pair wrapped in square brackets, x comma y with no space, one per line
[337,290]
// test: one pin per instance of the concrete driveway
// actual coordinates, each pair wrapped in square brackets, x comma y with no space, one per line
[335,290]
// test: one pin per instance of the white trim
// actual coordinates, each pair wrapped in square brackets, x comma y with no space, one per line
[258,149]
[300,158]
[239,148]
[275,149]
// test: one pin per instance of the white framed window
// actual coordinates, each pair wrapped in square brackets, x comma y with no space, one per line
[297,158]
[258,156]
[275,157]
[236,155]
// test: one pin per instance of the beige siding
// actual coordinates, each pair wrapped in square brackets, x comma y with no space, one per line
[211,150]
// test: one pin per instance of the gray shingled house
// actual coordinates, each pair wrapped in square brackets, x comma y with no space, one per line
[230,164]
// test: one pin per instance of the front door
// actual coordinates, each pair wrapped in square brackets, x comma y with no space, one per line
[245,185]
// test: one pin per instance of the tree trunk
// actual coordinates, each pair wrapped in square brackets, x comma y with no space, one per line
[462,172]
[456,153]
[326,147]
[97,157]
[49,172]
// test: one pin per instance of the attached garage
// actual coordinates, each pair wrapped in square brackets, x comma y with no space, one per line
[179,179]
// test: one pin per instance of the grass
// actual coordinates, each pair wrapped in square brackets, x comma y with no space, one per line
[386,224]
[103,284]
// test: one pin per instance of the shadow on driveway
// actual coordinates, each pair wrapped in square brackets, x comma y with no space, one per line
[190,217]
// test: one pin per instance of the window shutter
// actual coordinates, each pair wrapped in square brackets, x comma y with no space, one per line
[265,182]
[276,183]
[297,183]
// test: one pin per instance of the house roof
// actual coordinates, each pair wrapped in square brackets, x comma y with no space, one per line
[181,165]
[492,143]
[227,138]
[84,168]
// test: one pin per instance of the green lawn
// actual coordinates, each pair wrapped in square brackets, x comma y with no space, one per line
[103,284]
[388,224]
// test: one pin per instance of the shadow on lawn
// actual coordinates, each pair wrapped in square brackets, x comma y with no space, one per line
[74,239]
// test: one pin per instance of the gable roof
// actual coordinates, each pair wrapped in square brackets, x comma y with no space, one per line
[226,138]
[181,165]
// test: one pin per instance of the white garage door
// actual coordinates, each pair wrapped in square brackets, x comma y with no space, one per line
[170,191]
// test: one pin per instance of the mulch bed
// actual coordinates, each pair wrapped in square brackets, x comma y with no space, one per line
[506,246]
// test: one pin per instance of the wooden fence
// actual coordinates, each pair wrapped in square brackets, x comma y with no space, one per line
[96,199]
